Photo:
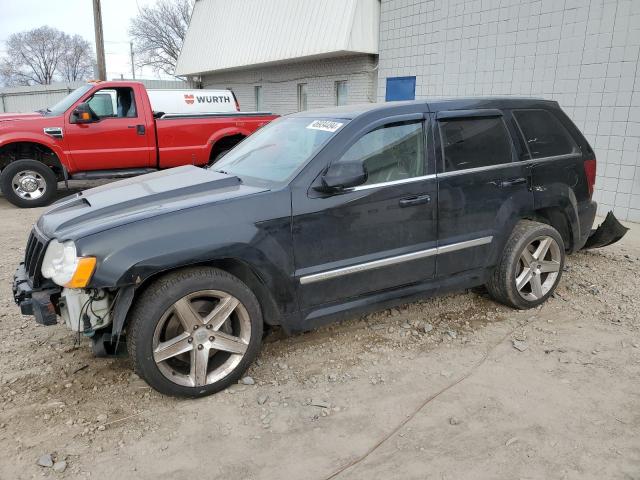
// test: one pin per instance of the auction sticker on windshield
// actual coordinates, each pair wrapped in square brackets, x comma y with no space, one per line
[325,125]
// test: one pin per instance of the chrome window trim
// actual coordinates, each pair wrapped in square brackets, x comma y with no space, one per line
[577,154]
[384,262]
[392,182]
[486,168]
[462,172]
[510,164]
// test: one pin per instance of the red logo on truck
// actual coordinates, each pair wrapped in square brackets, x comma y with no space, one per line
[189,99]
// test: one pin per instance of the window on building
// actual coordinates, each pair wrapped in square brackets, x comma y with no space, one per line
[302,97]
[473,143]
[259,99]
[400,88]
[543,133]
[390,152]
[342,92]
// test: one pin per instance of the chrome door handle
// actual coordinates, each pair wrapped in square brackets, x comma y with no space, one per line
[511,182]
[415,200]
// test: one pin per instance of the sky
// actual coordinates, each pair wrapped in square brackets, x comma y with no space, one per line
[76,17]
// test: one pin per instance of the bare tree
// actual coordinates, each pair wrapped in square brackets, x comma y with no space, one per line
[77,62]
[32,57]
[158,33]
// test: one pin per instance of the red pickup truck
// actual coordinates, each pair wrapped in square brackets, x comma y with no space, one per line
[83,137]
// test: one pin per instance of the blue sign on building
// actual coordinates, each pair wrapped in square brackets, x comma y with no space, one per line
[401,88]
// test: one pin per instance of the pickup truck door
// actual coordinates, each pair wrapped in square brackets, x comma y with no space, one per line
[376,236]
[118,139]
[482,189]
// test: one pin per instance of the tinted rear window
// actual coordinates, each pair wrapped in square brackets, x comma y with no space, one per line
[472,143]
[543,133]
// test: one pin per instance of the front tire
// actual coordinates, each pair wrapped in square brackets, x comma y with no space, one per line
[28,183]
[194,332]
[530,268]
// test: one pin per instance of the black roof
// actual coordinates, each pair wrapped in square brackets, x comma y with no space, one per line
[427,105]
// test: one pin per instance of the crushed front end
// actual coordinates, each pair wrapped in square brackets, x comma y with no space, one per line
[84,310]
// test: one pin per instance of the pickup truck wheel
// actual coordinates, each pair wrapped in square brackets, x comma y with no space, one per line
[530,267]
[194,332]
[28,183]
[218,156]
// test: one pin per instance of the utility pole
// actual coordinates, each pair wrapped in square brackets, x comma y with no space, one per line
[97,24]
[133,69]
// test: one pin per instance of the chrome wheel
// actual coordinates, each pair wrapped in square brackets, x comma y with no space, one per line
[29,185]
[201,338]
[538,268]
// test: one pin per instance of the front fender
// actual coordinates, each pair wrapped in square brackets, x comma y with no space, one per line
[7,138]
[132,253]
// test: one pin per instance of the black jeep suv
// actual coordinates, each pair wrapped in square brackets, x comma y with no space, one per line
[318,216]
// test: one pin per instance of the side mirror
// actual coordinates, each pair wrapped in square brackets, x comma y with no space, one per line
[343,175]
[84,114]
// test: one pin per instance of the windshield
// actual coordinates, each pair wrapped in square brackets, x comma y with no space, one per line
[279,150]
[64,104]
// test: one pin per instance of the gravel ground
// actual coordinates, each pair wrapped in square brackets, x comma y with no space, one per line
[449,388]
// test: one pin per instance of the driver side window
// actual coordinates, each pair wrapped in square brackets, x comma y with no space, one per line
[113,103]
[391,152]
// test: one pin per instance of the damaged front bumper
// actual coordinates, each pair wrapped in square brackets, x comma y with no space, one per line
[41,304]
[83,311]
[610,231]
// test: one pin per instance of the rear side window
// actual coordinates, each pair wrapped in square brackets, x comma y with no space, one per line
[543,134]
[474,142]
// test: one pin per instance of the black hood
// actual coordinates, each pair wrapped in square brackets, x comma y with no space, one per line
[137,198]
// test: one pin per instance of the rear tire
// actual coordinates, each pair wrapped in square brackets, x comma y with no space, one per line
[530,268]
[180,346]
[28,183]
[218,156]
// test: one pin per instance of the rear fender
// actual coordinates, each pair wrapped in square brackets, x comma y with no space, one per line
[226,132]
[560,197]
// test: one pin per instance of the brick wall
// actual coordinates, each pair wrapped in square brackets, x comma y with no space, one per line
[582,53]
[279,83]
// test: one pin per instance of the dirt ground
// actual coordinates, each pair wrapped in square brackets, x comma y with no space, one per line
[431,390]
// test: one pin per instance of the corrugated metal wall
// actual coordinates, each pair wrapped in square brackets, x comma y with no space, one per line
[228,35]
[30,99]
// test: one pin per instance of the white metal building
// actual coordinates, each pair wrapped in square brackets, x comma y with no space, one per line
[582,53]
[288,55]
[285,55]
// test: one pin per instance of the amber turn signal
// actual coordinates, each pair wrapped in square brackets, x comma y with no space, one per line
[83,273]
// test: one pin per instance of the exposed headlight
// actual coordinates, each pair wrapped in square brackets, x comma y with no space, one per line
[62,265]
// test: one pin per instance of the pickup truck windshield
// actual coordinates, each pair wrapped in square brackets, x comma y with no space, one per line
[277,151]
[64,104]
